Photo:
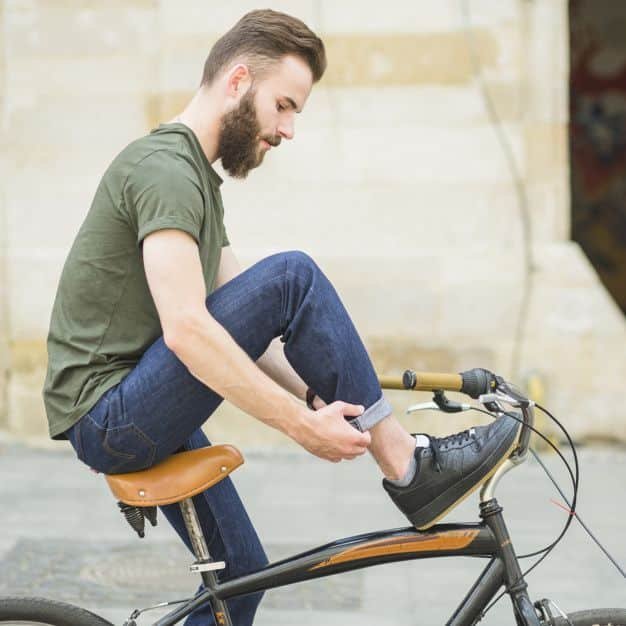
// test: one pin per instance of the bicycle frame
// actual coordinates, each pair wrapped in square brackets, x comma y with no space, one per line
[376,548]
[488,539]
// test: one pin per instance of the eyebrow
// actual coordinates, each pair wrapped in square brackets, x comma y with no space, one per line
[292,103]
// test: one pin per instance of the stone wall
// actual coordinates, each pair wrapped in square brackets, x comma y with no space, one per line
[4,295]
[396,183]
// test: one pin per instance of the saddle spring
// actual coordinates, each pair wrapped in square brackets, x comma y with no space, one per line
[136,516]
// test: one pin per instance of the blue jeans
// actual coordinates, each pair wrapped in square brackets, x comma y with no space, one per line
[159,407]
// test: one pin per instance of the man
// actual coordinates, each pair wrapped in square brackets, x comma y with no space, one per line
[155,323]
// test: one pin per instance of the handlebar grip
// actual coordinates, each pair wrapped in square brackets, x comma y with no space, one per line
[477,381]
[473,382]
[422,381]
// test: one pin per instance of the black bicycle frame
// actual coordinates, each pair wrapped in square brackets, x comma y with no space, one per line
[487,539]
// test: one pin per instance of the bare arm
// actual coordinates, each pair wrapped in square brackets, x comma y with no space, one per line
[174,274]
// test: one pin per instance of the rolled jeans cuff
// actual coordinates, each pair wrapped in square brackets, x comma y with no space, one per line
[372,415]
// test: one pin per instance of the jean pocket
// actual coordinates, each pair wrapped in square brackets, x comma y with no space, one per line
[113,450]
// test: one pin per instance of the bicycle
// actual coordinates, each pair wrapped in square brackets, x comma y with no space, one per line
[183,475]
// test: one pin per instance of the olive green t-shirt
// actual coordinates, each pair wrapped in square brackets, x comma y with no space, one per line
[104,317]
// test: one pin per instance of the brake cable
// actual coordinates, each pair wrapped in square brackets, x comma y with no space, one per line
[572,506]
[580,520]
[574,478]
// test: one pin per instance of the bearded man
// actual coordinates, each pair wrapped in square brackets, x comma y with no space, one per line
[155,323]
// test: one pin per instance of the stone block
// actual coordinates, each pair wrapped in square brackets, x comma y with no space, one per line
[4,294]
[62,28]
[33,276]
[67,159]
[549,222]
[547,98]
[360,60]
[546,151]
[188,17]
[424,154]
[26,412]
[43,124]
[454,106]
[123,73]
[404,15]
[585,304]
[376,220]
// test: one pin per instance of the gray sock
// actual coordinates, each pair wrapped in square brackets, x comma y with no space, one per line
[412,468]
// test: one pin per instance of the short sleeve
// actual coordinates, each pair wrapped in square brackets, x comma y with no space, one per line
[163,192]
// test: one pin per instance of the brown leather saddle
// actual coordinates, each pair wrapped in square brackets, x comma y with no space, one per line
[178,478]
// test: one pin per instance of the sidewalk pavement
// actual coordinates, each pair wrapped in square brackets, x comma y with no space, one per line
[62,536]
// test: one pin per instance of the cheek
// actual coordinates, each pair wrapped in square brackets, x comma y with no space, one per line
[267,116]
[267,122]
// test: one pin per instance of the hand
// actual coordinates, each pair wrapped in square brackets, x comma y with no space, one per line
[326,433]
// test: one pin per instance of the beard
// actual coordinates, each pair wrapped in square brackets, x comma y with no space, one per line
[238,145]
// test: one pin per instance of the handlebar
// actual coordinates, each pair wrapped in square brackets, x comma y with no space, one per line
[474,382]
[480,384]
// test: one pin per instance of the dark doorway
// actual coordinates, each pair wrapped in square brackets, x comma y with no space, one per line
[598,137]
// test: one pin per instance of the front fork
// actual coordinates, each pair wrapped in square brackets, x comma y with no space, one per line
[525,615]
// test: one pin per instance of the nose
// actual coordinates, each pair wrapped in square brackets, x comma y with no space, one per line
[286,128]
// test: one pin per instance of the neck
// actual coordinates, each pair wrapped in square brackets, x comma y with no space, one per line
[203,116]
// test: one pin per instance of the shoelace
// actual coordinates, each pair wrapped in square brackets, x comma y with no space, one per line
[435,444]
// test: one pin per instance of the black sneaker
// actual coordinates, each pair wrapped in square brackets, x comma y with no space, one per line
[451,468]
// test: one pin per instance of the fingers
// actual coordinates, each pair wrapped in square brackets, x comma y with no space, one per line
[345,457]
[355,410]
[361,440]
[366,438]
[332,437]
[318,403]
[351,410]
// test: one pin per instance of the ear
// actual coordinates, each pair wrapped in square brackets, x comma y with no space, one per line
[238,81]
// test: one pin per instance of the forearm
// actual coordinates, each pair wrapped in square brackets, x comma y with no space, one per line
[275,364]
[212,356]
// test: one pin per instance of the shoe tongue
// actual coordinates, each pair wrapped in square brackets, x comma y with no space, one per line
[421,452]
[421,441]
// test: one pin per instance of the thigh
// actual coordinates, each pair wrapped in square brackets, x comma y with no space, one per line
[159,404]
[162,398]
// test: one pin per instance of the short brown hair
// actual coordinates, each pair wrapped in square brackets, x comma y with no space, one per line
[264,36]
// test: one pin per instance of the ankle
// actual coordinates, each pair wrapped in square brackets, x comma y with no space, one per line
[392,447]
[394,462]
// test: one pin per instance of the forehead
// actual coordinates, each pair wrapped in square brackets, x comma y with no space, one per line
[290,77]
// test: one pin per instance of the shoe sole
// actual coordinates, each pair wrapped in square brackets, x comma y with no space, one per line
[471,490]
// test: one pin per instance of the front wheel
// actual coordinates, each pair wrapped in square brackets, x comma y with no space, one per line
[42,612]
[593,617]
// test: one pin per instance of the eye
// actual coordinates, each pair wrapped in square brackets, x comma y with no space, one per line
[280,107]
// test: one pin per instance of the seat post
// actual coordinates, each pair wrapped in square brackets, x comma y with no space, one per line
[194,529]
[204,563]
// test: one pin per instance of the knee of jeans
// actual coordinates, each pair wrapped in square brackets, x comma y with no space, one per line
[299,262]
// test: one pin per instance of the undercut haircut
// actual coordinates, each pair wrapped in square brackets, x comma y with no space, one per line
[262,38]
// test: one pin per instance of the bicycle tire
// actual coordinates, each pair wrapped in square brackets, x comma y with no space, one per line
[593,617]
[42,612]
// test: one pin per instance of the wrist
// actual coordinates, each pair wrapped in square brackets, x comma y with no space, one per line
[296,422]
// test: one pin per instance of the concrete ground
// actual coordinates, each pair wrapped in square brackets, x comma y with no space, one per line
[61,536]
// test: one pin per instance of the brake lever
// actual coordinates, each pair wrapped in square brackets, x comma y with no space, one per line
[516,401]
[440,403]
[422,406]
